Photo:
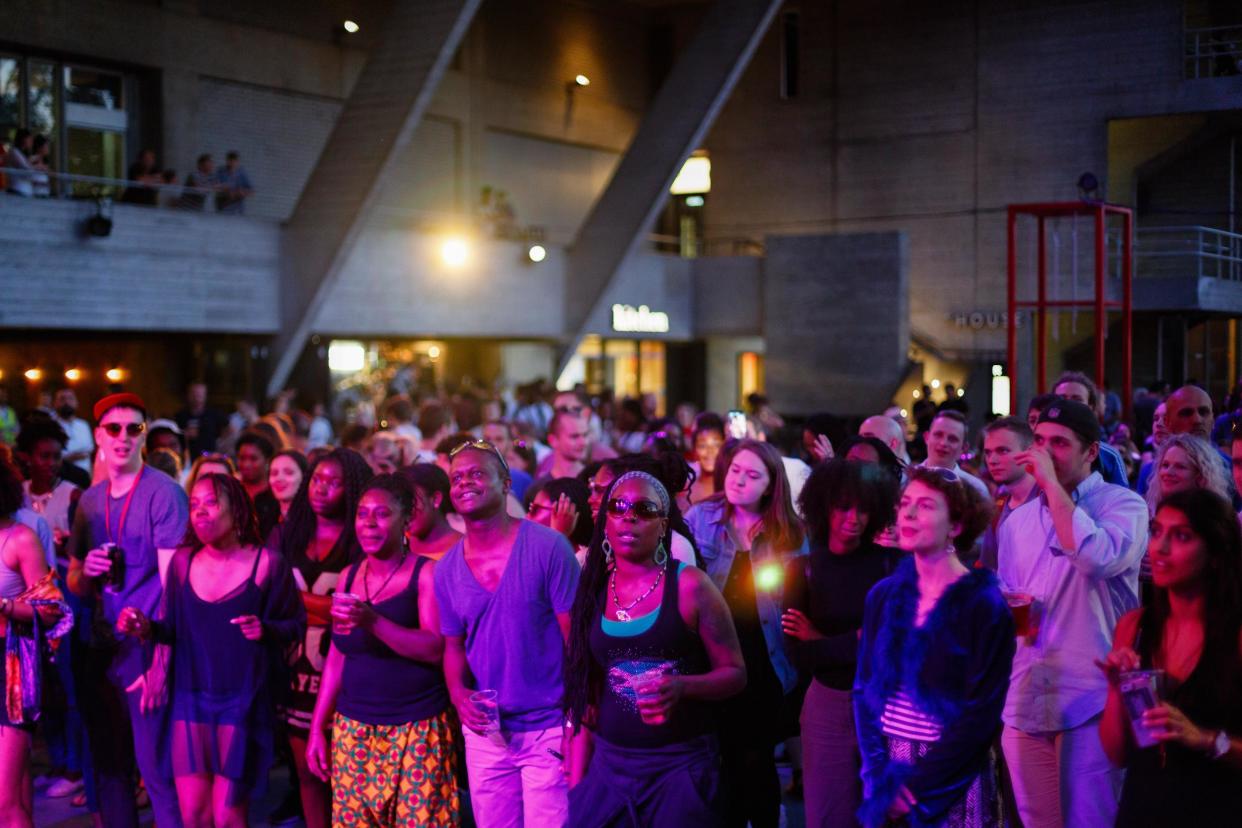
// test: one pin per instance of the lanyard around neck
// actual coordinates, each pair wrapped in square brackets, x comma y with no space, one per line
[120,529]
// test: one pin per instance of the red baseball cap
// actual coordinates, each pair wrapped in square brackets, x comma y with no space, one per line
[125,399]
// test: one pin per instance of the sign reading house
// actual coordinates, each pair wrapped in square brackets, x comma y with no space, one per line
[628,319]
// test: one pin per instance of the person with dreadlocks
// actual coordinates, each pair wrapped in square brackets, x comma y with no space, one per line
[651,644]
[317,539]
[229,609]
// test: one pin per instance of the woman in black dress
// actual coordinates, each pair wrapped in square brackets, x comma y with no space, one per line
[1192,630]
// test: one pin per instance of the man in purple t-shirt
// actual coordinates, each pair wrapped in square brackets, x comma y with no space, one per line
[123,693]
[504,594]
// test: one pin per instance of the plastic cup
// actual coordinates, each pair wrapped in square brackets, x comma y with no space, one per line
[645,691]
[1020,605]
[1141,690]
[487,703]
[342,600]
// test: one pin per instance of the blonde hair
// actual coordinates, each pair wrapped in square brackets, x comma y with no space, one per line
[1202,456]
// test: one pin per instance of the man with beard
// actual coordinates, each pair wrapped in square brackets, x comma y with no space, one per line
[504,593]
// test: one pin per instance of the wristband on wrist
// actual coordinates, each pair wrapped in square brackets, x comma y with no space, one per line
[1220,745]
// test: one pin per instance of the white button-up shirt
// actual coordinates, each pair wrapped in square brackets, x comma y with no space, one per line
[1079,594]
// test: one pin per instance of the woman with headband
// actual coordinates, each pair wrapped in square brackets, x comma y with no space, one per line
[651,645]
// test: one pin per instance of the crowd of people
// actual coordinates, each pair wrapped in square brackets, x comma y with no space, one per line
[562,610]
[25,164]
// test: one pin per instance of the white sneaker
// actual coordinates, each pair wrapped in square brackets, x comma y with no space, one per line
[65,787]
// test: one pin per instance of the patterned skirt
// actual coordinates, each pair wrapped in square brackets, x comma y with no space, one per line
[385,776]
[979,808]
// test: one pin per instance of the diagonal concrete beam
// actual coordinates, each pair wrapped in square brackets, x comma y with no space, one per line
[674,126]
[383,110]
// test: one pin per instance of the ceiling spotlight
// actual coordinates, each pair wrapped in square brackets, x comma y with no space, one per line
[73,374]
[114,374]
[454,251]
[350,27]
[434,352]
[581,80]
[537,253]
[33,374]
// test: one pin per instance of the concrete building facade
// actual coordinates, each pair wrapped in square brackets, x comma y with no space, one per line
[903,128]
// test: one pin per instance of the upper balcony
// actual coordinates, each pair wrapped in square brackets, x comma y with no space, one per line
[1188,268]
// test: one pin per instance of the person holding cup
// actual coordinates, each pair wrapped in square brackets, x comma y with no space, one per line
[504,593]
[317,538]
[382,711]
[651,644]
[1183,757]
[933,666]
[230,607]
[1076,550]
[122,692]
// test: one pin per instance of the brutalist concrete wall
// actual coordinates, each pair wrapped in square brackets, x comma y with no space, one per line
[836,321]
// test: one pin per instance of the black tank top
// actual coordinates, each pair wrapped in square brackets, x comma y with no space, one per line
[628,661]
[1175,785]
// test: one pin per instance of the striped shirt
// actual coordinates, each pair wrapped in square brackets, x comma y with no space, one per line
[901,719]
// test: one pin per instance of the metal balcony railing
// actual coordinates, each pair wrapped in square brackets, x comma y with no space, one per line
[1188,251]
[1213,52]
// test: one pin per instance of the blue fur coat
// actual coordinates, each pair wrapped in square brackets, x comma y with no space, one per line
[955,668]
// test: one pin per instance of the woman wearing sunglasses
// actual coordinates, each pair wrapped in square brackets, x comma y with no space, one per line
[651,644]
[933,666]
[746,534]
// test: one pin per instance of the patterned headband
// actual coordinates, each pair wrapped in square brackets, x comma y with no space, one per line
[646,478]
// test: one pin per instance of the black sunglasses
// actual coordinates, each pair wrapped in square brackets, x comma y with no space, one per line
[132,429]
[643,509]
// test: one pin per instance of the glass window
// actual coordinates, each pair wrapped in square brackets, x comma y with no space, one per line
[94,88]
[750,371]
[10,96]
[95,152]
[42,115]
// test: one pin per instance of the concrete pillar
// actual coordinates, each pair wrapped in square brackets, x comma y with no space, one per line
[383,110]
[836,321]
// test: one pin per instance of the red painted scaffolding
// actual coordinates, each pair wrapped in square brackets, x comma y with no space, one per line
[1099,303]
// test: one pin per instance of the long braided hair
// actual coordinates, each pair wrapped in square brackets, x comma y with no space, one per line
[298,529]
[583,678]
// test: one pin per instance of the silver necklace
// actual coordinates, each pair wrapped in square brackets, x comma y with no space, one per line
[623,613]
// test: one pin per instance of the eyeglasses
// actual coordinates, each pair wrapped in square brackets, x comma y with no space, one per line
[132,429]
[481,445]
[536,508]
[642,509]
[571,409]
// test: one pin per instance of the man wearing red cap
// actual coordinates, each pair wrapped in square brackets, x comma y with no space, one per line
[127,528]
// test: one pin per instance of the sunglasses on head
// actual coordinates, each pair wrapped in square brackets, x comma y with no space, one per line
[642,509]
[481,445]
[132,429]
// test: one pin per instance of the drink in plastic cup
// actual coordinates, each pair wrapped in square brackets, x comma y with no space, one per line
[1020,605]
[487,703]
[647,689]
[1141,690]
[342,599]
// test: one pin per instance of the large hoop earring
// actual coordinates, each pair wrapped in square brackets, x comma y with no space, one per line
[607,547]
[661,555]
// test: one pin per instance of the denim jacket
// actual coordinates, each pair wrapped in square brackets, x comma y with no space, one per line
[709,523]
